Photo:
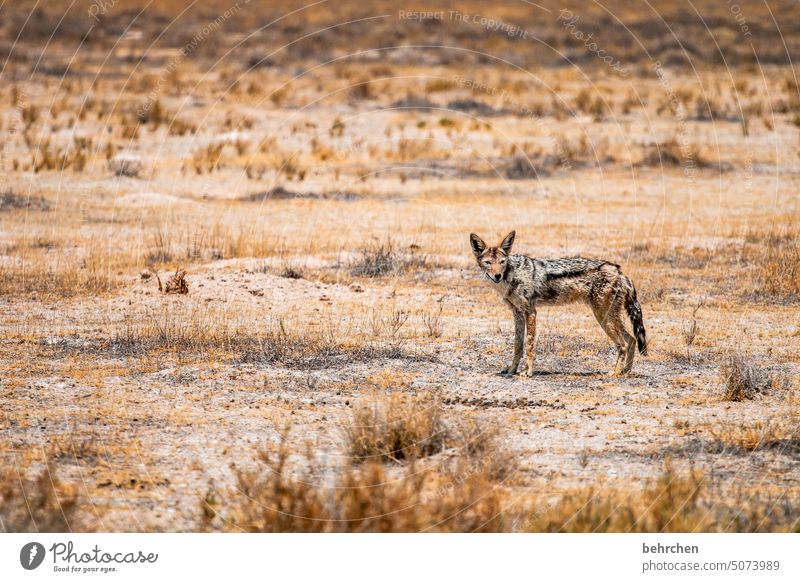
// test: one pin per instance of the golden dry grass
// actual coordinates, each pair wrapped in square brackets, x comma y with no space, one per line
[39,503]
[308,495]
[322,221]
[675,502]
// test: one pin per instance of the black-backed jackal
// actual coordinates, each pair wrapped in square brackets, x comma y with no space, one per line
[525,283]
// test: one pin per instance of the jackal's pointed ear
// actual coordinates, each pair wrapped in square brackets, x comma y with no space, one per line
[477,244]
[508,241]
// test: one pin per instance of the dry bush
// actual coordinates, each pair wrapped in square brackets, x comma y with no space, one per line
[377,260]
[402,427]
[65,275]
[776,257]
[208,158]
[672,503]
[781,435]
[37,504]
[291,494]
[410,149]
[380,259]
[10,200]
[291,272]
[176,283]
[671,153]
[194,331]
[154,114]
[743,379]
[433,321]
[125,166]
[181,127]
[522,167]
[50,157]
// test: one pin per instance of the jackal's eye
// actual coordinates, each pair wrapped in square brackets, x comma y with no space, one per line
[487,263]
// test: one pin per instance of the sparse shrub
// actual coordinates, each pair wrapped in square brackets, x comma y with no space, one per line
[290,495]
[241,146]
[63,276]
[196,331]
[776,257]
[337,128]
[690,329]
[783,436]
[433,322]
[161,251]
[153,114]
[292,169]
[361,90]
[291,272]
[380,259]
[10,200]
[436,85]
[377,260]
[522,167]
[672,503]
[181,127]
[176,283]
[400,428]
[127,165]
[396,320]
[208,158]
[47,156]
[36,504]
[743,379]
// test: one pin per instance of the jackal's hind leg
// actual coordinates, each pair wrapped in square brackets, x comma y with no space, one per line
[531,322]
[609,316]
[519,338]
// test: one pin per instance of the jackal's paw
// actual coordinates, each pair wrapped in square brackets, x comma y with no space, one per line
[527,372]
[508,371]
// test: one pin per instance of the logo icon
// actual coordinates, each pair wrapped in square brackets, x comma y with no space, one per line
[31,555]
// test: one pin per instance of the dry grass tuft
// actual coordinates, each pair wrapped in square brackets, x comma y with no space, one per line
[672,503]
[743,380]
[782,436]
[10,200]
[383,259]
[395,429]
[176,284]
[672,153]
[290,495]
[198,331]
[60,274]
[777,261]
[39,504]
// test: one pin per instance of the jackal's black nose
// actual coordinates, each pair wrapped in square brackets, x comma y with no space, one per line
[497,278]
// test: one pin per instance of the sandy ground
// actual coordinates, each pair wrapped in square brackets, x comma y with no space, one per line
[159,430]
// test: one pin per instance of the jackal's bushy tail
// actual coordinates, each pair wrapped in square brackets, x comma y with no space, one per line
[635,313]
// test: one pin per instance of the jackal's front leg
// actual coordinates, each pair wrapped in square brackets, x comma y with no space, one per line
[519,338]
[531,320]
